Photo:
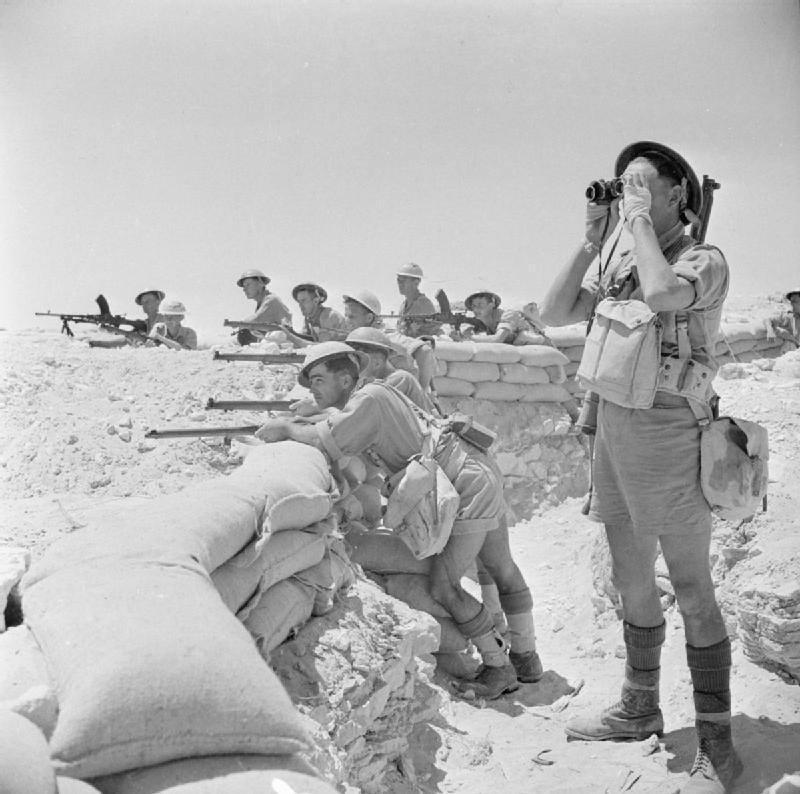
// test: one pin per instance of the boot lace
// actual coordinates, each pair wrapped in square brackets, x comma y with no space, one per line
[702,762]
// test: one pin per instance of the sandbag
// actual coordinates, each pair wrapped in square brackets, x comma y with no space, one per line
[448,350]
[284,553]
[332,575]
[381,551]
[280,611]
[497,352]
[545,393]
[279,486]
[541,356]
[440,369]
[499,392]
[574,353]
[25,685]
[70,785]
[451,387]
[519,373]
[220,774]
[371,504]
[24,758]
[556,373]
[134,649]
[566,336]
[298,483]
[473,371]
[751,330]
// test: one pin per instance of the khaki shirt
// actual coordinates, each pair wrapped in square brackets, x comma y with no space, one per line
[271,310]
[519,330]
[703,266]
[325,325]
[786,325]
[421,306]
[186,337]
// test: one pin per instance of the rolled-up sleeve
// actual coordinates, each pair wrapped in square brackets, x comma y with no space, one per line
[351,430]
[705,268]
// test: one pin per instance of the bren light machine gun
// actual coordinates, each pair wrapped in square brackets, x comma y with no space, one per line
[602,192]
[447,316]
[105,319]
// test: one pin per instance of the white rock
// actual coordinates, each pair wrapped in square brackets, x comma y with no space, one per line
[124,421]
[124,435]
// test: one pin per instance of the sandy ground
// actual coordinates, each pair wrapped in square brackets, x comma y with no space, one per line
[72,434]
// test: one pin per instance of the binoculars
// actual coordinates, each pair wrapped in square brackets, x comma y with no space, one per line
[604,191]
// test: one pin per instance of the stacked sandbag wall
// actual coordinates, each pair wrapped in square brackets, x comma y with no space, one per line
[524,394]
[130,658]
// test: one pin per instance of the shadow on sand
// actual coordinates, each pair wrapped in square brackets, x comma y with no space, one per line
[768,749]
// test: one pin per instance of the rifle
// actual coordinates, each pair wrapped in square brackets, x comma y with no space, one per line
[264,358]
[199,432]
[260,326]
[104,319]
[446,316]
[700,225]
[248,405]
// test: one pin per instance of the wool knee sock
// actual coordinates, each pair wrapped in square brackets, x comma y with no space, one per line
[490,645]
[711,673]
[518,608]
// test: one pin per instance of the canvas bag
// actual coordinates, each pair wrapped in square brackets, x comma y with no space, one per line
[622,354]
[733,467]
[422,504]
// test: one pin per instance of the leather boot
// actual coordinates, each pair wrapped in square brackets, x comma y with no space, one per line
[716,765]
[636,715]
[491,682]
[528,666]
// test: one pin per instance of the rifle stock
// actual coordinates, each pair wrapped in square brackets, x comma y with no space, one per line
[264,358]
[700,226]
[200,432]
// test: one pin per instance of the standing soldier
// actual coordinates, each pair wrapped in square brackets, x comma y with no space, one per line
[269,307]
[415,305]
[646,478]
[320,323]
[150,300]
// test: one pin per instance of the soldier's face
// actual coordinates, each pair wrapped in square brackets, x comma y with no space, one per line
[357,316]
[253,287]
[307,301]
[481,306]
[150,304]
[328,388]
[407,285]
[794,300]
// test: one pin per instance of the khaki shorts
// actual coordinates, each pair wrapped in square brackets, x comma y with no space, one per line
[647,468]
[480,485]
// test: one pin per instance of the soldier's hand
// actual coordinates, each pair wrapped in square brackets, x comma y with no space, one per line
[273,430]
[636,199]
[304,407]
[601,220]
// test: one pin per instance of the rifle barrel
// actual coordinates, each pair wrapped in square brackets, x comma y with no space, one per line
[254,325]
[199,432]
[264,358]
[248,405]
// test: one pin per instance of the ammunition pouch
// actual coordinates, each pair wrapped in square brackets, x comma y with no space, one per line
[686,378]
[466,428]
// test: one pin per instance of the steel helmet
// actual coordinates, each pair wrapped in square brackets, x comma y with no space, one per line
[172,308]
[370,338]
[411,270]
[252,274]
[694,195]
[483,293]
[138,298]
[325,351]
[789,294]
[367,299]
[310,286]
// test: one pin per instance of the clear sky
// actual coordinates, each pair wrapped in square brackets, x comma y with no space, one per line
[172,144]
